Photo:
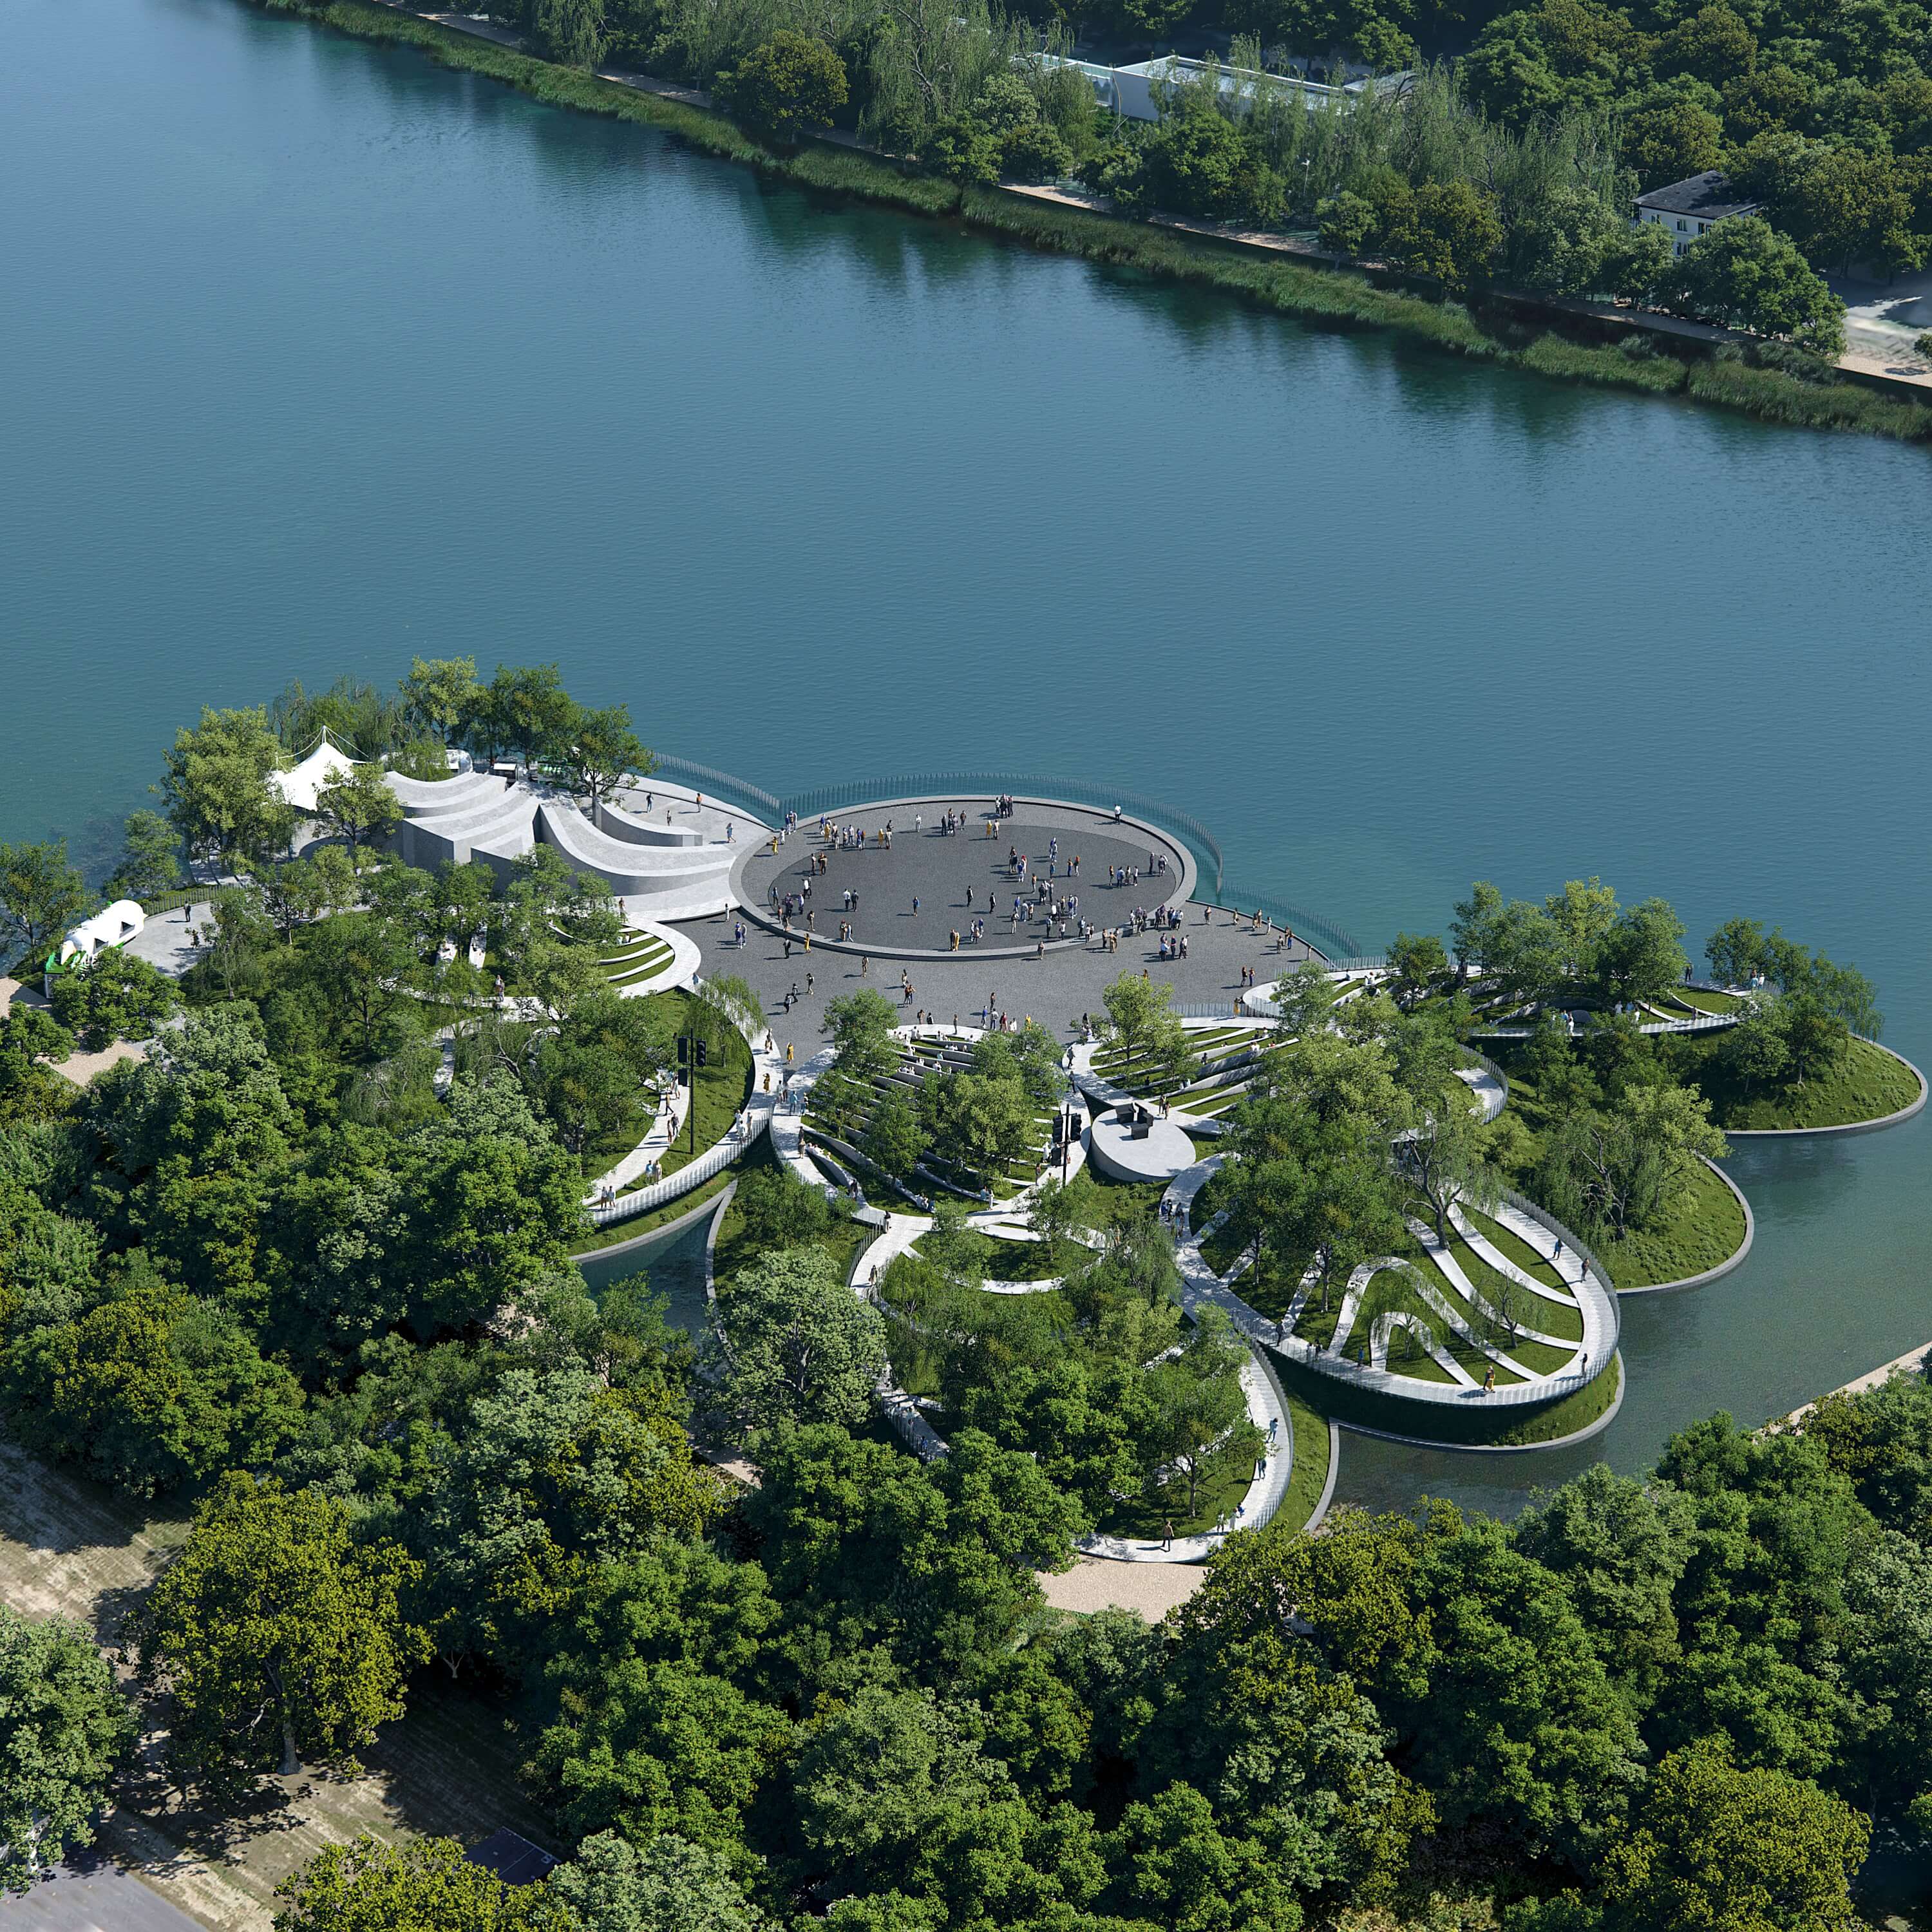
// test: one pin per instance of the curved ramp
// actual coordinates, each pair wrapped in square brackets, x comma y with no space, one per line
[616,822]
[419,796]
[630,869]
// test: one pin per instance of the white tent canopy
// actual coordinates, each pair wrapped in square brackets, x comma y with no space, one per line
[324,766]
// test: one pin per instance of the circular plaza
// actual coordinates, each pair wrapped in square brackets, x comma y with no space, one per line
[928,878]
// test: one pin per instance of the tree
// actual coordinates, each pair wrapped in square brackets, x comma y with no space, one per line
[1745,275]
[1441,1159]
[978,1125]
[1509,1716]
[1723,1848]
[646,1729]
[1346,224]
[1179,1870]
[1140,1020]
[41,896]
[530,709]
[429,1886]
[787,85]
[275,1631]
[215,780]
[1736,951]
[571,31]
[604,751]
[881,1775]
[361,808]
[117,995]
[64,1731]
[668,1885]
[1199,1402]
[1620,1168]
[1641,956]
[894,1141]
[1450,231]
[777,1210]
[1857,207]
[800,1345]
[493,1203]
[439,694]
[1420,963]
[553,1474]
[150,858]
[151,1388]
[1670,135]
[1636,261]
[861,1025]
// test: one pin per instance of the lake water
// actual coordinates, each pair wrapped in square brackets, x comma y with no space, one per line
[318,355]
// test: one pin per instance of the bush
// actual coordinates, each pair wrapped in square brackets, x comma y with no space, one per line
[787,85]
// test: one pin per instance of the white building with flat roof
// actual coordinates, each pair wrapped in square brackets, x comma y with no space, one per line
[1136,92]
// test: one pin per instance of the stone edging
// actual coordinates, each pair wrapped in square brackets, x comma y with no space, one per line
[1190,873]
[1583,1435]
[1724,1267]
[1844,1127]
[1327,1496]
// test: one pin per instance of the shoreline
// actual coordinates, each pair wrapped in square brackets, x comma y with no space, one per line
[1275,277]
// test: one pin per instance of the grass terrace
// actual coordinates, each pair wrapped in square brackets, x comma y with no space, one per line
[1862,1082]
[641,958]
[1704,1228]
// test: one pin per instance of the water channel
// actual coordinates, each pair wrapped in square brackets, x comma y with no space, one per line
[319,355]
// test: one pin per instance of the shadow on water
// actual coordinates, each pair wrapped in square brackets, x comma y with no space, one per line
[674,1265]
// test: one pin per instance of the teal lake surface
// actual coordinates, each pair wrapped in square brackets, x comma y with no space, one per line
[318,355]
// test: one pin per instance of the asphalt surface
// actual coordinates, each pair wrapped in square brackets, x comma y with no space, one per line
[98,1897]
[1055,990]
[926,885]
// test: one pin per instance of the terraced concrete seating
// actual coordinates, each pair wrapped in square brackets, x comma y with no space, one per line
[419,796]
[616,823]
[625,867]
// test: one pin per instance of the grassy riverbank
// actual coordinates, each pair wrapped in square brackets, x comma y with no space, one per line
[1704,1228]
[1861,1082]
[1309,292]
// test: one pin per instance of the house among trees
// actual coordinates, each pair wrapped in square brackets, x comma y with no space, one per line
[1693,207]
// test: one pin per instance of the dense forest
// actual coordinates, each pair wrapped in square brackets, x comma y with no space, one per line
[1509,155]
[279,1272]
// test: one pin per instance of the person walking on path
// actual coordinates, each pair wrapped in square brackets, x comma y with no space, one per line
[1489,1379]
[1167,1535]
[865,965]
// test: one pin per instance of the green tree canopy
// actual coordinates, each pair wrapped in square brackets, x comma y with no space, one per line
[788,84]
[800,1345]
[275,1634]
[65,1729]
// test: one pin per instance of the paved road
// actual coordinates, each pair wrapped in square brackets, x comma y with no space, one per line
[101,1897]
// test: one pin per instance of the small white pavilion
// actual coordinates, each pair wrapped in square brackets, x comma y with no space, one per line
[327,764]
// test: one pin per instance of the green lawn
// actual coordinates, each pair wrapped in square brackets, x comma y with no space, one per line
[841,1243]
[1705,1226]
[1020,1260]
[1864,1083]
[1513,1248]
[723,1087]
[1224,1482]
[1310,1475]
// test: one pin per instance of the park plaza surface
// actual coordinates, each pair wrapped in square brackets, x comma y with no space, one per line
[909,877]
